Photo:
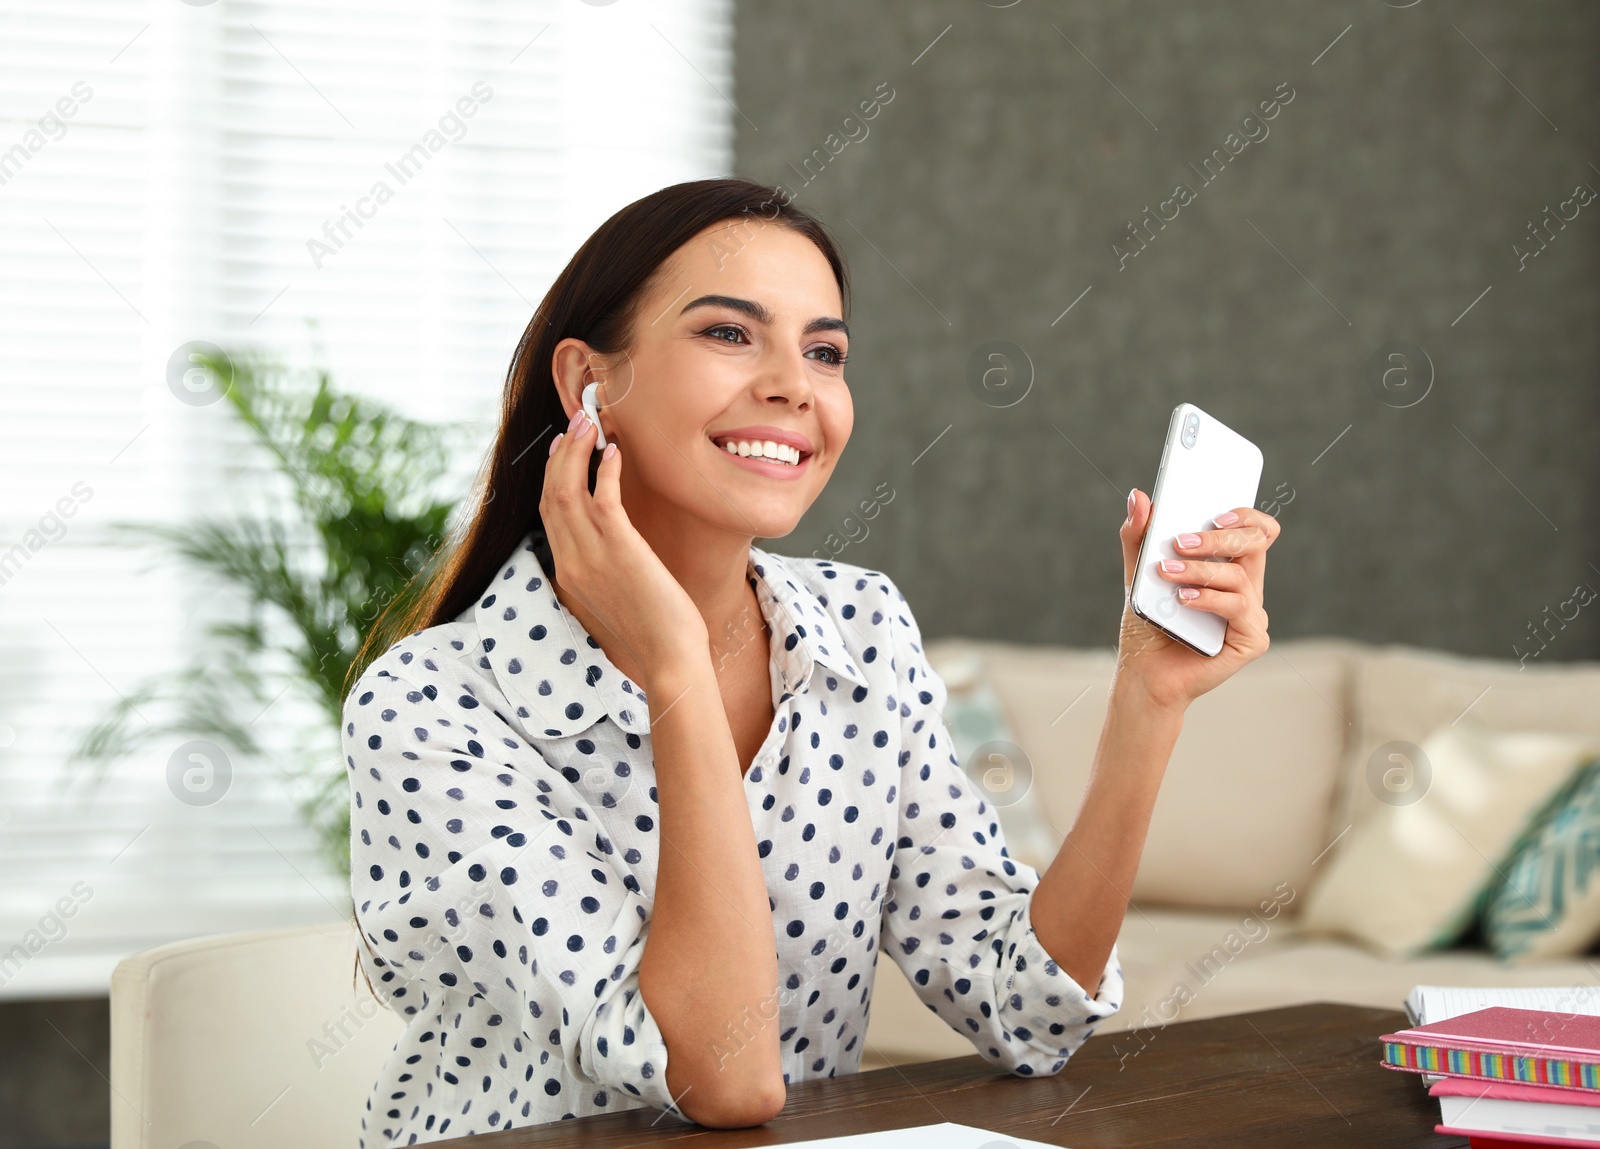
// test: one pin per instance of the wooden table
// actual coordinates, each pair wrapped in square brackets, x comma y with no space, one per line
[1299,1077]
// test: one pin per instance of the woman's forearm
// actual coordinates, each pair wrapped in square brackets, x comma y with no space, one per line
[710,957]
[1081,898]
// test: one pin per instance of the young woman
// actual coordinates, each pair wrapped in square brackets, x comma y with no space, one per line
[634,801]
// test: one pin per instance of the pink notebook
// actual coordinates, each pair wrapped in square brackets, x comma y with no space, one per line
[1500,1029]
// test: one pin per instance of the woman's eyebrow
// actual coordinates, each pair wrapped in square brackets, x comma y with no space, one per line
[760,314]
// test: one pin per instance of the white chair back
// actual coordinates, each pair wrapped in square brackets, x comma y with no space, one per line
[245,1041]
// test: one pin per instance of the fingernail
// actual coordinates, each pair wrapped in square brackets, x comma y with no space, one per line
[611,449]
[1188,592]
[577,417]
[556,442]
[1226,519]
[1131,501]
[1172,566]
[1188,541]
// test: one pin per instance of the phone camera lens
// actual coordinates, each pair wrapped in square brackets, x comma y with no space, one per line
[1191,429]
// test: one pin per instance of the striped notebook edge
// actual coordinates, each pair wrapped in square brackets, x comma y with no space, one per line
[1556,1072]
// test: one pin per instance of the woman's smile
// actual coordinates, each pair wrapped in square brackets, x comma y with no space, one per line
[765,450]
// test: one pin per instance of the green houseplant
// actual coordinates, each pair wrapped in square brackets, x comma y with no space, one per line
[360,516]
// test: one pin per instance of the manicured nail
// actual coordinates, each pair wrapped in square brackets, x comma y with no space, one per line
[577,417]
[556,442]
[1172,566]
[1188,542]
[1226,519]
[611,449]
[1131,501]
[1188,592]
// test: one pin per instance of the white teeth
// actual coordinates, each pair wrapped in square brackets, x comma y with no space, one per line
[764,449]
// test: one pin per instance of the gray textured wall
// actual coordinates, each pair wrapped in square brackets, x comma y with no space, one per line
[1376,206]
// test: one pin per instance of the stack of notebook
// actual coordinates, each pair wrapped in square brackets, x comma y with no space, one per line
[1508,1067]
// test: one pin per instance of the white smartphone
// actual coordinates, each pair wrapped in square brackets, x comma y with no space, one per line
[1206,468]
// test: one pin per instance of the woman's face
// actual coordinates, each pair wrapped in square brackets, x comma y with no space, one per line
[739,340]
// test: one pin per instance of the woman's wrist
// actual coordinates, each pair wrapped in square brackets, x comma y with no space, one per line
[1132,695]
[668,676]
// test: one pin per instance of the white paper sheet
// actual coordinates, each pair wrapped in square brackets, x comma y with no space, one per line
[944,1135]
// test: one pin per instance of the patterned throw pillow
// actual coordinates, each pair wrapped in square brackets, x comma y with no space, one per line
[1411,877]
[1548,903]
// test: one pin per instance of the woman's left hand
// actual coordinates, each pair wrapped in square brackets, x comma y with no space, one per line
[1172,674]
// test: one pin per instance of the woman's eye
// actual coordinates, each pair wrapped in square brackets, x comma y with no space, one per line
[835,358]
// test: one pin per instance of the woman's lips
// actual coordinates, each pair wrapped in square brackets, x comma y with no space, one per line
[763,466]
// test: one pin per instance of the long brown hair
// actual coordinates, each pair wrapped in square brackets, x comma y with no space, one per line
[595,298]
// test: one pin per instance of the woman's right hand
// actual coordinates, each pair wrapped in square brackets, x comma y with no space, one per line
[607,565]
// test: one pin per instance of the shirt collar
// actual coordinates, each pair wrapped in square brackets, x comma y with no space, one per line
[540,654]
[803,630]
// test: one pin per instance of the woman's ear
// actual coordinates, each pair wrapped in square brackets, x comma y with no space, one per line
[569,368]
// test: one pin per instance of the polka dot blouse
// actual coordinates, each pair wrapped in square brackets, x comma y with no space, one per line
[504,842]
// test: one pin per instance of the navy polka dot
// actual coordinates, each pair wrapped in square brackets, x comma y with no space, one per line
[505,823]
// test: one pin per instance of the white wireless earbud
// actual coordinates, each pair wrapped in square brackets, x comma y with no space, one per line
[590,408]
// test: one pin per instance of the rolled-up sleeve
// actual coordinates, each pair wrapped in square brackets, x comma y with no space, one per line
[957,914]
[476,876]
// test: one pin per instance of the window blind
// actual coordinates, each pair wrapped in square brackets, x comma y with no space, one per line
[383,189]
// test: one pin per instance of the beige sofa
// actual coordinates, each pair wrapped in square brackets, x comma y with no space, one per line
[1269,773]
